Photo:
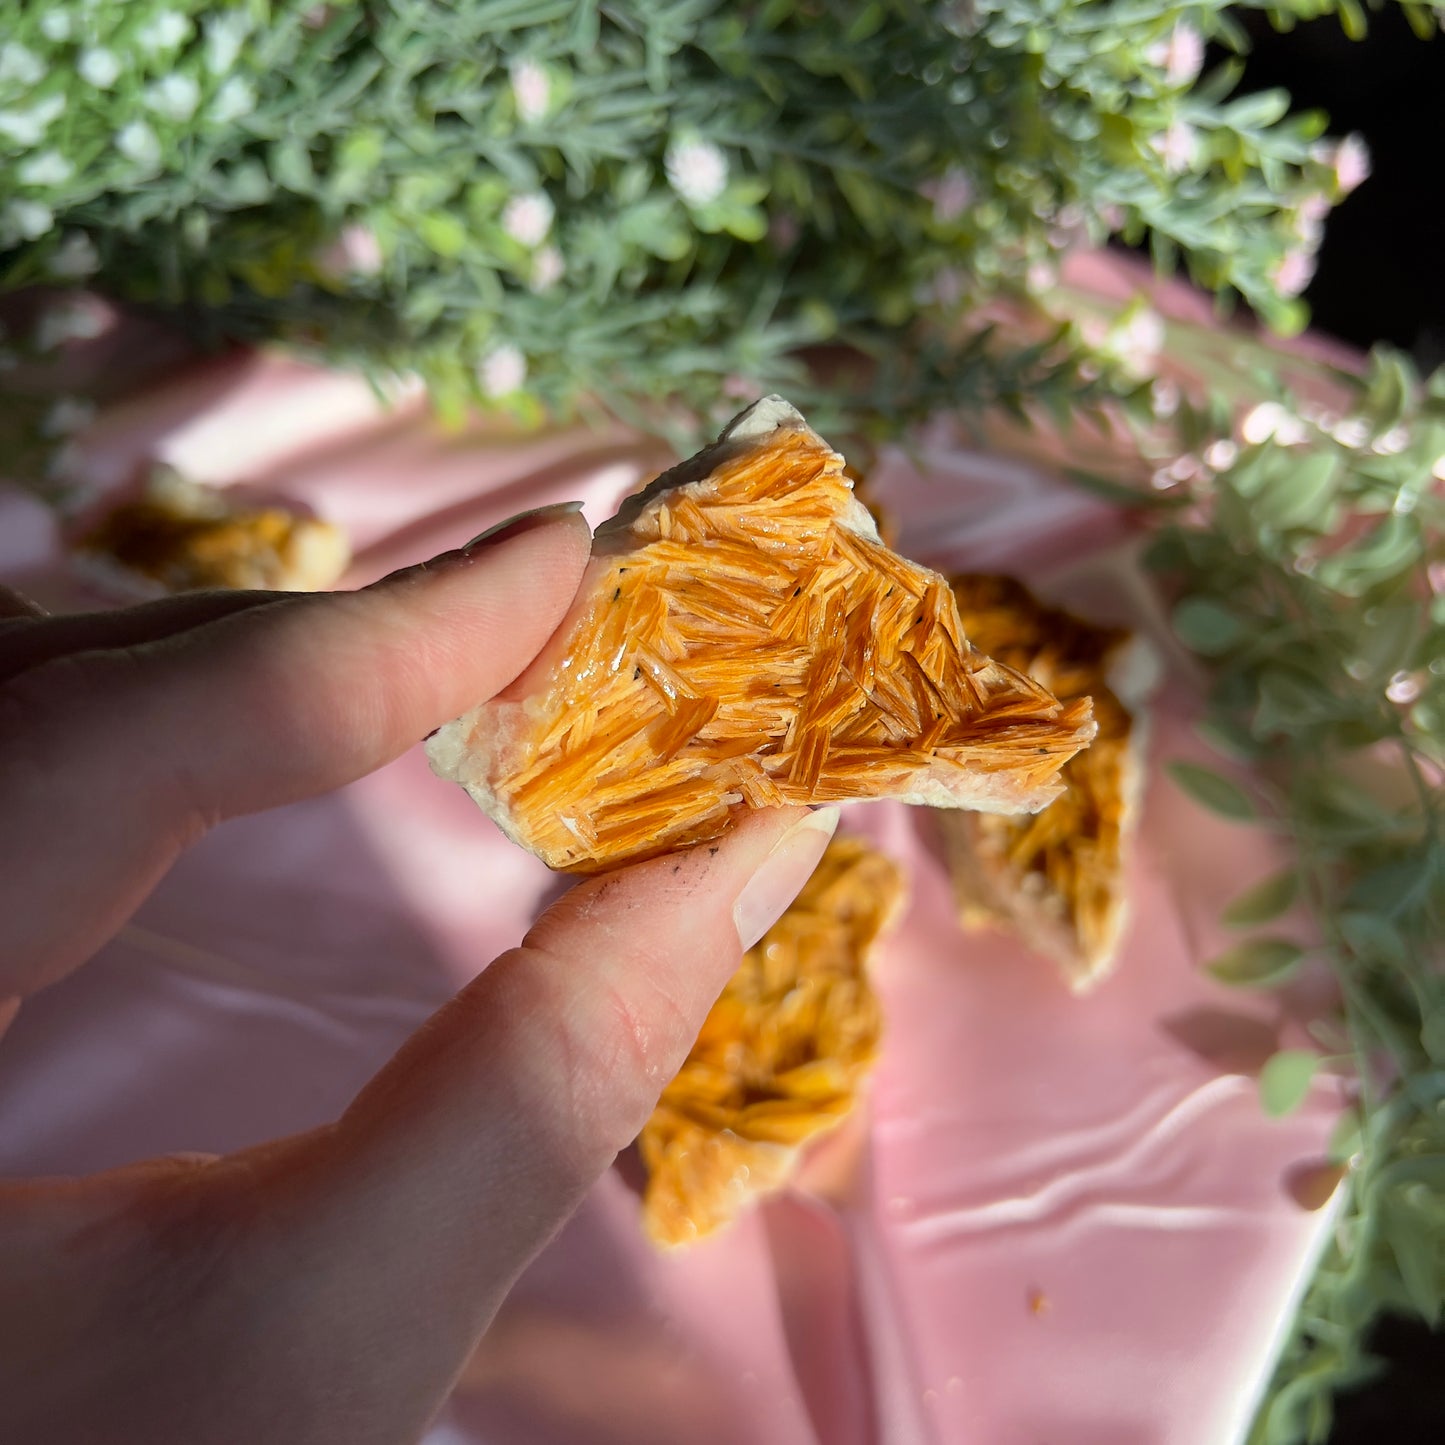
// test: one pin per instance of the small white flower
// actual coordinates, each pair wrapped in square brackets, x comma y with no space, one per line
[163,32]
[1269,421]
[49,168]
[55,25]
[1308,227]
[1403,689]
[531,90]
[528,218]
[697,170]
[504,371]
[98,67]
[1314,209]
[77,319]
[951,194]
[174,96]
[737,387]
[1220,455]
[225,35]
[22,66]
[1353,432]
[1294,272]
[67,416]
[1438,470]
[235,99]
[75,257]
[1163,398]
[137,142]
[1392,443]
[1040,278]
[1137,340]
[26,127]
[1351,160]
[1180,56]
[29,220]
[1177,147]
[355,252]
[548,268]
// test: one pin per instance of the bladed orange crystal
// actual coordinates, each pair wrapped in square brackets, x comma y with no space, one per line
[781,1057]
[744,640]
[1058,876]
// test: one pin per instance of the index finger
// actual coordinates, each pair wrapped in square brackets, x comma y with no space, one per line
[111,761]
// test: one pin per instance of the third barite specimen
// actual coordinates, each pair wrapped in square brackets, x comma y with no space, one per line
[1058,878]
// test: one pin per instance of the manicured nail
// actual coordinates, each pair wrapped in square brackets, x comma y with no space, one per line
[522,522]
[15,604]
[503,532]
[783,872]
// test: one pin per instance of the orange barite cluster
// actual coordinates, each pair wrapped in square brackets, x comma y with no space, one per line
[1056,876]
[745,640]
[180,537]
[781,1057]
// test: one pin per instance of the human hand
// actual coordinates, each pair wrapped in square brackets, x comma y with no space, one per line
[329,1286]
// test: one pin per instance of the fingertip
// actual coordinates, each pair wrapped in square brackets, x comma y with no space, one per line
[780,877]
[557,536]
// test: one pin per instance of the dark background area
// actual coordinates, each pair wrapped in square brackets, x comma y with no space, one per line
[1381,270]
[1381,277]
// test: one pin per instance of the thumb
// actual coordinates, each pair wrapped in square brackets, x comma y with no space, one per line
[331,1287]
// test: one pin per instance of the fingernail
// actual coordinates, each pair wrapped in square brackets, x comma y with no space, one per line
[503,532]
[522,522]
[783,872]
[15,604]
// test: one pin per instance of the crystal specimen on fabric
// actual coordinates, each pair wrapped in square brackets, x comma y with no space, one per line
[742,638]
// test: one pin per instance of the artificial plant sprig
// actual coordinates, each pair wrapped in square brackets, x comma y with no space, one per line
[1307,558]
[639,202]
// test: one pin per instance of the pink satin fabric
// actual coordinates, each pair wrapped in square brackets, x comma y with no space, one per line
[1058,1219]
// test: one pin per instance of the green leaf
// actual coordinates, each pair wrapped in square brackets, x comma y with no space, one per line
[1284,1081]
[1432,1036]
[1257,963]
[1374,940]
[1265,901]
[1299,495]
[1229,739]
[1414,1241]
[1346,1138]
[1207,627]
[1212,791]
[443,234]
[1290,701]
[1377,557]
[1390,388]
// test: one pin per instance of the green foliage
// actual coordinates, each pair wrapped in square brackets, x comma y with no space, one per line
[1285,1080]
[1309,571]
[1265,901]
[1212,791]
[652,203]
[1259,963]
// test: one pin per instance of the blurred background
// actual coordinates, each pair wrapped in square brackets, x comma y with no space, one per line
[674,218]
[1380,278]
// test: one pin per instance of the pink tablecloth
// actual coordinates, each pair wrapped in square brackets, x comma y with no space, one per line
[1065,1220]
